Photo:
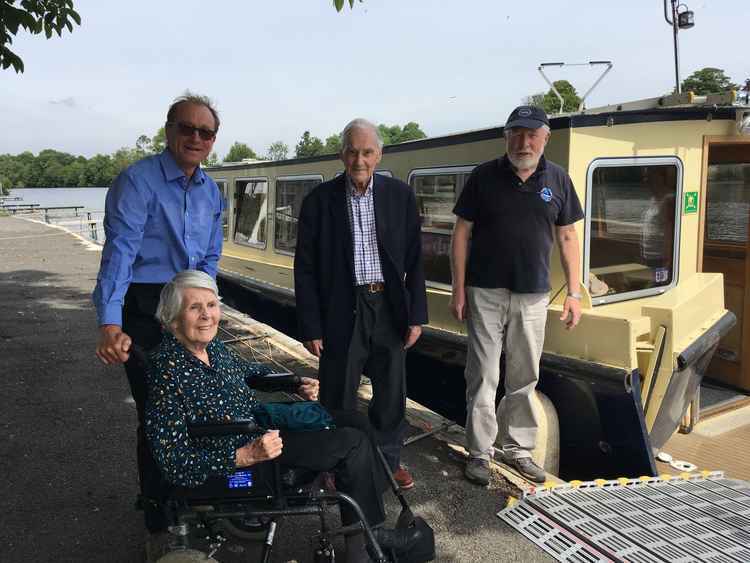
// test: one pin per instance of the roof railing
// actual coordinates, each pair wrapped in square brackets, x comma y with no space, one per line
[541,67]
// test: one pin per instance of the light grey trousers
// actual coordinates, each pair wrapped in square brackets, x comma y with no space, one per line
[499,318]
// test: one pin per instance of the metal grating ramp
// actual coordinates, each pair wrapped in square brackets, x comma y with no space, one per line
[692,518]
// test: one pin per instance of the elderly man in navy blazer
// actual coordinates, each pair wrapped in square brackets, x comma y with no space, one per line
[359,285]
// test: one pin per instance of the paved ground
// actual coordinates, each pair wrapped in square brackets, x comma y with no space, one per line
[67,457]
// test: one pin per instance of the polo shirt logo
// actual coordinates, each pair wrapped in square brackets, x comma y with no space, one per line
[546,194]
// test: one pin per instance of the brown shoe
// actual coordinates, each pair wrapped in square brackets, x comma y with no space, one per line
[403,478]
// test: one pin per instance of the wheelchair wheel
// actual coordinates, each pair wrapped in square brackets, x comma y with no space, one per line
[254,529]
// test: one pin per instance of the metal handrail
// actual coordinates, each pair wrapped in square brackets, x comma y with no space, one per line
[583,99]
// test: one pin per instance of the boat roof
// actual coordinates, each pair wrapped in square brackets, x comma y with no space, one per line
[672,107]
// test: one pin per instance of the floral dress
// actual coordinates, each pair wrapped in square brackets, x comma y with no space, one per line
[183,390]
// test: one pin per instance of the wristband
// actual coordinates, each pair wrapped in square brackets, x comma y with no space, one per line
[575,295]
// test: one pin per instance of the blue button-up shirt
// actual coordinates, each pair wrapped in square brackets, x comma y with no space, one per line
[157,222]
[367,268]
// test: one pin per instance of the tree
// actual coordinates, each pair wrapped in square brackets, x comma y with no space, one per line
[550,103]
[708,80]
[339,4]
[35,16]
[124,157]
[238,152]
[395,134]
[143,144]
[333,145]
[211,160]
[308,146]
[277,151]
[159,141]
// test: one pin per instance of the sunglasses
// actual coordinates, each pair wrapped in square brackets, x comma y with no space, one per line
[188,130]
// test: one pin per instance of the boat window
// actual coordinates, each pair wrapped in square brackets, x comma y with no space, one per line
[222,184]
[728,202]
[290,192]
[632,227]
[252,212]
[437,190]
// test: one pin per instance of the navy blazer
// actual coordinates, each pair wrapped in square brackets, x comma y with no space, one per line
[324,261]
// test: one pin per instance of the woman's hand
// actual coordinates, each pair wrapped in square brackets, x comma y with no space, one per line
[309,389]
[266,447]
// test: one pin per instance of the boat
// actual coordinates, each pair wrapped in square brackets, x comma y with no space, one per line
[664,183]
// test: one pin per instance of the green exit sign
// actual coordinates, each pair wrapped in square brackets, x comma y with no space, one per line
[691,203]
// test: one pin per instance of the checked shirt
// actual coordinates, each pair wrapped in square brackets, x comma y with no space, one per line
[367,267]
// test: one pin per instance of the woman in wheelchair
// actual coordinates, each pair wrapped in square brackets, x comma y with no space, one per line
[195,378]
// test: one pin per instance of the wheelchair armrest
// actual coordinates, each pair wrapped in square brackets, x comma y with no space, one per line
[275,382]
[233,427]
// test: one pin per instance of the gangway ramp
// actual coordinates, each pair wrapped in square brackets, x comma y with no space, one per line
[690,518]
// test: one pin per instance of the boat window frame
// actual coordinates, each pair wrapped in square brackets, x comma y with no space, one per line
[438,171]
[258,246]
[319,177]
[225,194]
[614,162]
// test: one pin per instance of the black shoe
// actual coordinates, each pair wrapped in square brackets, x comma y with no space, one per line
[401,540]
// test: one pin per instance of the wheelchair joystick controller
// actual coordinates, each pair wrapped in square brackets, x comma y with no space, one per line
[325,552]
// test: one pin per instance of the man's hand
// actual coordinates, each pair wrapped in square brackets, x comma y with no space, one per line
[458,305]
[309,389]
[315,346]
[412,335]
[571,312]
[114,345]
[266,447]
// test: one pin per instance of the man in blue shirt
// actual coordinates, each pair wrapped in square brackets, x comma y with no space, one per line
[162,215]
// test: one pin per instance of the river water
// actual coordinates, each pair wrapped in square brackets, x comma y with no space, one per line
[92,200]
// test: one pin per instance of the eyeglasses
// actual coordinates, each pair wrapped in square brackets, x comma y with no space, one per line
[188,130]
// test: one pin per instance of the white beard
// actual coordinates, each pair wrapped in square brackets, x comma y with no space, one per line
[528,163]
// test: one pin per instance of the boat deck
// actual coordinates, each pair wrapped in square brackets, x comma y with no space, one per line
[718,443]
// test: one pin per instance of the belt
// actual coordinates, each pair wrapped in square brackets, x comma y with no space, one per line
[372,287]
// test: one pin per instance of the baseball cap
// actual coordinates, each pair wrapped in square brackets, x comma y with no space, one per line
[530,117]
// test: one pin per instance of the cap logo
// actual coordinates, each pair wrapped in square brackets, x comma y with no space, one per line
[525,112]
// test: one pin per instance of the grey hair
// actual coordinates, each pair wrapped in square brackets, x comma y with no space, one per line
[190,98]
[358,123]
[545,127]
[170,300]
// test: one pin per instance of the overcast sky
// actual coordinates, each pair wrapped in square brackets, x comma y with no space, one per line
[276,68]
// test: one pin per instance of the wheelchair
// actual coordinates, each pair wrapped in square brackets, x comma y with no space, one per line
[261,494]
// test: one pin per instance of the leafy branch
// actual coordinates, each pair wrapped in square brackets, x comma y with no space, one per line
[35,17]
[339,4]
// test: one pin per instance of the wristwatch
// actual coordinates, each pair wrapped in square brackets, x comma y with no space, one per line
[575,295]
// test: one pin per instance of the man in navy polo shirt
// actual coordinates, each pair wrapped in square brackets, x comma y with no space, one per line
[510,208]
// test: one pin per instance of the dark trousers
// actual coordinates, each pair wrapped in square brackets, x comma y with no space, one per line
[139,323]
[377,350]
[347,451]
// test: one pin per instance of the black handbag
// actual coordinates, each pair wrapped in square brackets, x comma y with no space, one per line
[424,549]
